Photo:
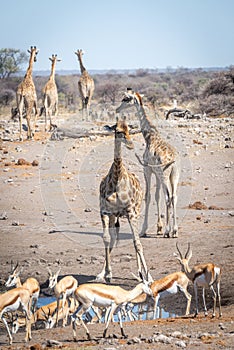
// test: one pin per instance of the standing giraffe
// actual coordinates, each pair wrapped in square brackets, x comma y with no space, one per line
[160,159]
[50,94]
[26,96]
[85,85]
[120,195]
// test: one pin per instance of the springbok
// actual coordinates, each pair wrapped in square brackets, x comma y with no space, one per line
[31,284]
[105,296]
[202,275]
[11,301]
[46,314]
[62,289]
[168,285]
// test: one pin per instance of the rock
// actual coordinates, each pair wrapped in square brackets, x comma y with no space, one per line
[180,343]
[161,338]
[15,223]
[176,334]
[136,340]
[52,342]
[22,161]
[88,210]
[198,206]
[214,207]
[3,216]
[35,162]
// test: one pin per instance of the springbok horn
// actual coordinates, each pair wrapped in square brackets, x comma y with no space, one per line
[188,251]
[49,270]
[181,257]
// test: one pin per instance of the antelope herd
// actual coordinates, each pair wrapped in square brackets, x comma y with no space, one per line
[120,195]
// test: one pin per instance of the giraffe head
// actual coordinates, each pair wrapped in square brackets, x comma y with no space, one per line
[130,99]
[79,53]
[54,58]
[33,52]
[121,130]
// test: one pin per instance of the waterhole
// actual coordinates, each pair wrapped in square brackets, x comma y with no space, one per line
[135,313]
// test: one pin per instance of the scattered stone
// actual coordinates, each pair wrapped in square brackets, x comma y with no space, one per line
[198,206]
[180,343]
[22,161]
[231,213]
[15,223]
[33,246]
[221,326]
[136,340]
[88,210]
[35,162]
[3,216]
[207,221]
[214,207]
[161,338]
[36,347]
[176,334]
[52,342]
[18,149]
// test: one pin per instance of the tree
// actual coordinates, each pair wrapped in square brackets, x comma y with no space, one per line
[10,61]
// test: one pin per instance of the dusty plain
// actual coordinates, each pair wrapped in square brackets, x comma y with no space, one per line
[49,215]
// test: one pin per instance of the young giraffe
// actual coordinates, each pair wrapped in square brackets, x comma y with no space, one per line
[85,85]
[50,94]
[26,96]
[160,159]
[120,195]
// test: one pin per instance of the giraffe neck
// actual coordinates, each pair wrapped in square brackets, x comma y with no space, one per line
[145,123]
[52,73]
[82,68]
[30,67]
[118,163]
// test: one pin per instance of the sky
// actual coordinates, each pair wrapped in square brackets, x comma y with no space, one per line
[121,34]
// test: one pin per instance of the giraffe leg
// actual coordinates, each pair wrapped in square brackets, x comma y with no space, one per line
[20,105]
[147,175]
[158,203]
[141,263]
[28,118]
[174,179]
[168,207]
[109,237]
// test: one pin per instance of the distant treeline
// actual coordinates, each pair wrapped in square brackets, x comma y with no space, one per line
[207,91]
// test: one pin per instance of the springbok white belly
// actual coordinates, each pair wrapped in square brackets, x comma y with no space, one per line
[14,306]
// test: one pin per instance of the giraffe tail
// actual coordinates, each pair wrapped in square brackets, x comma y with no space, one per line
[117,227]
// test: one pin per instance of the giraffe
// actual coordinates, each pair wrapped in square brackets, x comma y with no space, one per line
[160,159]
[26,96]
[85,85]
[50,94]
[120,195]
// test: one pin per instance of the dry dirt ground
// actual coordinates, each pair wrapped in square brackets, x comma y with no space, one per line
[50,217]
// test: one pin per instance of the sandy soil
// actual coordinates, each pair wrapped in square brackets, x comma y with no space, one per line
[50,217]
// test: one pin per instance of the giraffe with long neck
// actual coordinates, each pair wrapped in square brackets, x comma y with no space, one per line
[120,195]
[85,85]
[26,96]
[50,94]
[161,159]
